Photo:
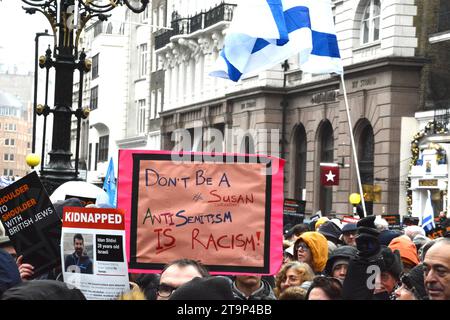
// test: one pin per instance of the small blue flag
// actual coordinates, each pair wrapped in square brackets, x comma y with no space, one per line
[109,185]
[427,222]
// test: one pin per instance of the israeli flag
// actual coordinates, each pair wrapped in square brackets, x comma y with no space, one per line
[109,185]
[266,32]
[428,215]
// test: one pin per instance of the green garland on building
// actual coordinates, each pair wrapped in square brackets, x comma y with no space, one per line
[432,128]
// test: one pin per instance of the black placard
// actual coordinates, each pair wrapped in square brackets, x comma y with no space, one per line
[293,212]
[31,223]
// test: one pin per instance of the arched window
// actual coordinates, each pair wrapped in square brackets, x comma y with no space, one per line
[326,155]
[370,22]
[365,161]
[300,162]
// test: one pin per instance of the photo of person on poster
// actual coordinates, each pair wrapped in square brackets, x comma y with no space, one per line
[79,261]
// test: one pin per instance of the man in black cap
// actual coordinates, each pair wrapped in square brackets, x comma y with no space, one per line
[349,232]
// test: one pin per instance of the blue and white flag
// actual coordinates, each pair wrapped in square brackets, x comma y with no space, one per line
[266,32]
[109,185]
[428,215]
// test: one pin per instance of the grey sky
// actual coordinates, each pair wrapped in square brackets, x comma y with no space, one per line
[17,33]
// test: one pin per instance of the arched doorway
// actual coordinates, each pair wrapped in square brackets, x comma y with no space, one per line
[326,154]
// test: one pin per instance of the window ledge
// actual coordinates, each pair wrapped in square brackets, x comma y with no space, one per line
[140,79]
[367,45]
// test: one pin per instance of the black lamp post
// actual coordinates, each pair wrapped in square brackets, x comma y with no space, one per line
[36,53]
[284,105]
[67,19]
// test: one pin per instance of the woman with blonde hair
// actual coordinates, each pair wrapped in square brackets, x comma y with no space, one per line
[292,274]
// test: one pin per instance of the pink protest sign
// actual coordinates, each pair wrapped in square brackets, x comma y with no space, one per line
[224,211]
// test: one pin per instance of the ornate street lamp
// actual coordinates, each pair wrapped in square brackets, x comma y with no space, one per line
[68,19]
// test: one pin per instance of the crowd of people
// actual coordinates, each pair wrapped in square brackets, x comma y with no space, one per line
[322,260]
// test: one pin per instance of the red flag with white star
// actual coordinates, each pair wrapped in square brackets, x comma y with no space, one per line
[329,175]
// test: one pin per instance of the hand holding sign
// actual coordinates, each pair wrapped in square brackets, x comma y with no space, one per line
[26,270]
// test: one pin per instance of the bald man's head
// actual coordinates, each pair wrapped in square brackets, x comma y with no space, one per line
[437,270]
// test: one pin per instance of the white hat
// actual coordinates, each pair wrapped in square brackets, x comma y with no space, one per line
[3,237]
[79,189]
[337,222]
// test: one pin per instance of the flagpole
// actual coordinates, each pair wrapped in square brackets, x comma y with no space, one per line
[350,127]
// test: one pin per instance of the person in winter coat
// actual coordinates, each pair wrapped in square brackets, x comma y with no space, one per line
[408,251]
[391,269]
[292,274]
[331,231]
[252,288]
[312,248]
[375,270]
[349,233]
[338,261]
[412,285]
[9,273]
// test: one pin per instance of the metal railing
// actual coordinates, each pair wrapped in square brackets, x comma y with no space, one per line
[180,26]
[197,22]
[162,37]
[442,116]
[202,20]
[223,12]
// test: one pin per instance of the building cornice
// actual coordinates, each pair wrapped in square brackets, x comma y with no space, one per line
[386,62]
[136,141]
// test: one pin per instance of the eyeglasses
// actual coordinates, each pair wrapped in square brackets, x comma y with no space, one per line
[303,246]
[165,291]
